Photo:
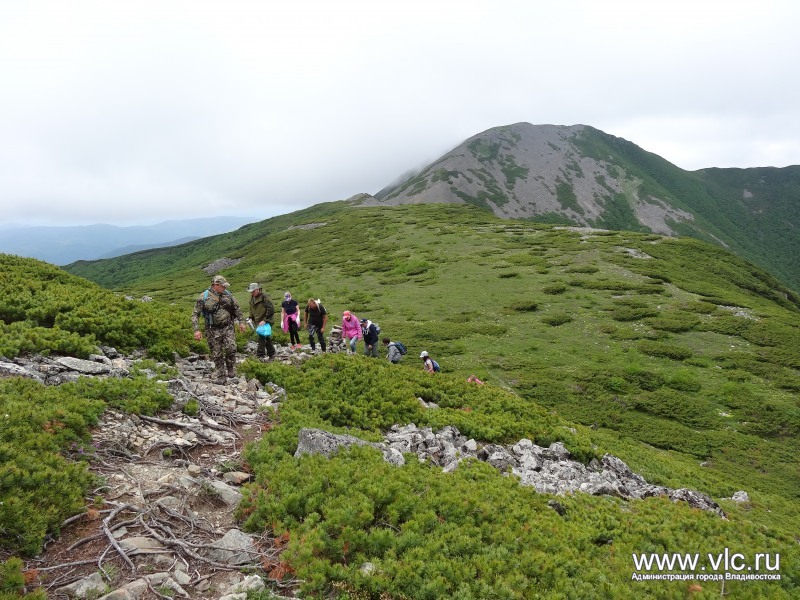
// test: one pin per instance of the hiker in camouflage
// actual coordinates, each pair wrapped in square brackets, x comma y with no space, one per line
[220,310]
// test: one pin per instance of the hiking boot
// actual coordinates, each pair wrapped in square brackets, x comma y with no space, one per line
[231,372]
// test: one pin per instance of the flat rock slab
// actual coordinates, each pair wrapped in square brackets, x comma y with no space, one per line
[83,366]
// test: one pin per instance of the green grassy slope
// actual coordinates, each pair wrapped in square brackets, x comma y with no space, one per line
[753,211]
[672,354]
[763,202]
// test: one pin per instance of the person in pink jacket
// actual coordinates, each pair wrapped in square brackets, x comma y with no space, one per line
[351,329]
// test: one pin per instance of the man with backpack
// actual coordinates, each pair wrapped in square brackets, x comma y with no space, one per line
[396,350]
[430,365]
[262,311]
[220,310]
[369,333]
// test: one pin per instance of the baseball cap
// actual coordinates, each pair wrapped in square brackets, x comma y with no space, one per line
[220,280]
[253,287]
[424,354]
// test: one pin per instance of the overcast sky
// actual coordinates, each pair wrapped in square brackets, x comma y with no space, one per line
[138,111]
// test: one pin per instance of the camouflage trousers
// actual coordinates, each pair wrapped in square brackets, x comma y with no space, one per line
[222,344]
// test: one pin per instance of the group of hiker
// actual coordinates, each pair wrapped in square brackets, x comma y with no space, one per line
[220,311]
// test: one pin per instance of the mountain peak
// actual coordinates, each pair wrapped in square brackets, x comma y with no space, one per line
[579,175]
[516,171]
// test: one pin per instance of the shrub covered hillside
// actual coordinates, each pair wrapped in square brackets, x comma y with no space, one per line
[674,355]
[44,430]
[45,310]
[473,533]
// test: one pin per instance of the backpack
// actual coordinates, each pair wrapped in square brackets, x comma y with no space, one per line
[211,309]
[401,347]
[377,328]
[436,367]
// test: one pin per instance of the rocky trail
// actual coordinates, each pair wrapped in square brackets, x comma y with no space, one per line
[162,525]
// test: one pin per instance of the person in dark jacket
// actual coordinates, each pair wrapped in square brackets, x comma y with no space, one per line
[314,320]
[370,336]
[290,320]
[262,311]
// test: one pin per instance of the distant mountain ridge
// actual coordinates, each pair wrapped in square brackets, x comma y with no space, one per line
[139,247]
[64,245]
[582,176]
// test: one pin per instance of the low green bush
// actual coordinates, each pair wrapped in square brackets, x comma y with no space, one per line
[674,322]
[557,319]
[684,380]
[525,306]
[42,425]
[674,405]
[39,488]
[664,350]
[632,313]
[12,582]
[726,324]
[555,289]
[11,579]
[55,312]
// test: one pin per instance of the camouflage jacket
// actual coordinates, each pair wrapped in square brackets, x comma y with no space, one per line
[217,311]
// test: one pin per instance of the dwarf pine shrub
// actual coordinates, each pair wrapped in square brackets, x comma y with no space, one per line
[39,486]
[555,288]
[51,311]
[664,350]
[525,306]
[626,312]
[674,322]
[556,319]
